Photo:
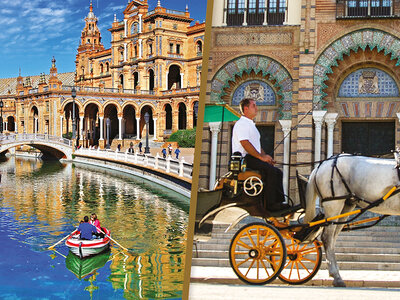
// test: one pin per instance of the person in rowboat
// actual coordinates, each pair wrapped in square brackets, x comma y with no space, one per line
[87,230]
[96,223]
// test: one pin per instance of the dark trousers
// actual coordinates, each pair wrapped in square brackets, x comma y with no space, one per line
[272,180]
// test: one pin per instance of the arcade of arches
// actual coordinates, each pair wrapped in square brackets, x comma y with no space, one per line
[102,124]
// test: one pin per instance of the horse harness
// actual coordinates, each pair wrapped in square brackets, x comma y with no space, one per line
[350,196]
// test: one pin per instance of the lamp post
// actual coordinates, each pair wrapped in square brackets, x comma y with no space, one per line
[196,111]
[1,116]
[146,119]
[73,95]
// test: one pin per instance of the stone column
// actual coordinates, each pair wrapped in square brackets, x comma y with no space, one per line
[61,126]
[330,120]
[138,128]
[155,129]
[225,11]
[140,48]
[318,117]
[125,52]
[120,128]
[182,80]
[215,128]
[245,14]
[286,127]
[81,122]
[265,13]
[101,128]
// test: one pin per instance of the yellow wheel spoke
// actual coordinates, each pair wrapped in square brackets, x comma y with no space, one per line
[241,243]
[251,265]
[250,238]
[265,268]
[305,268]
[241,263]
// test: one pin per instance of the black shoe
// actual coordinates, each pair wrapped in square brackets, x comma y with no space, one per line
[279,207]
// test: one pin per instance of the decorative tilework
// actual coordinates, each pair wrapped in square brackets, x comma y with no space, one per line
[226,76]
[353,41]
[350,85]
[266,91]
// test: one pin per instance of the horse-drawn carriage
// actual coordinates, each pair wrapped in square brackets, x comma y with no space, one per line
[284,244]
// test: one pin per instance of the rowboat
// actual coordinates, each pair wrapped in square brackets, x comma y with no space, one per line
[85,248]
[84,267]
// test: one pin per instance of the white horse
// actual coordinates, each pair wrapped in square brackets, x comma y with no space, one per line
[366,178]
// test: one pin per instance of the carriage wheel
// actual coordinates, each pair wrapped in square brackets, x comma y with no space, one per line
[302,262]
[251,251]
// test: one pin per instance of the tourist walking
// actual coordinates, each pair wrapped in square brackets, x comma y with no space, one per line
[164,152]
[177,151]
[140,147]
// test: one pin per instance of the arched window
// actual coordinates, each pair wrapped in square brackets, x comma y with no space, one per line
[135,80]
[199,47]
[107,67]
[151,80]
[101,68]
[174,77]
[134,28]
[121,80]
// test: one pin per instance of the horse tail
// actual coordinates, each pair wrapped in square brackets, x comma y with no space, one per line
[311,197]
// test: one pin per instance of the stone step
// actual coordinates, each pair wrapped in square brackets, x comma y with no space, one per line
[367,236]
[220,244]
[342,265]
[340,256]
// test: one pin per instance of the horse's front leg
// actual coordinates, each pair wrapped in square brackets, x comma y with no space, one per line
[329,240]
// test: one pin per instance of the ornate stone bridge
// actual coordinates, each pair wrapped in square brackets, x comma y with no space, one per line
[49,145]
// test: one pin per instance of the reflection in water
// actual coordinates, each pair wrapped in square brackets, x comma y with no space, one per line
[41,202]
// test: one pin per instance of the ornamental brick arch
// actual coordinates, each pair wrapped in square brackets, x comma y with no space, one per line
[111,122]
[96,103]
[357,61]
[68,101]
[129,116]
[150,109]
[367,40]
[254,67]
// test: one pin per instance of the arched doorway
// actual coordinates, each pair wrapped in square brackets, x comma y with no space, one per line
[149,110]
[34,120]
[10,124]
[68,113]
[129,122]
[174,77]
[182,116]
[168,118]
[92,125]
[111,126]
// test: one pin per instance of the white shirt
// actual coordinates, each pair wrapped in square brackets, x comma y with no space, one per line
[245,129]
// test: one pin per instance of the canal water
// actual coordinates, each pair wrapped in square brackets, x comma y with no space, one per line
[41,202]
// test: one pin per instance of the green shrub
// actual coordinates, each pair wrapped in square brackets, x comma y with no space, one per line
[67,135]
[185,138]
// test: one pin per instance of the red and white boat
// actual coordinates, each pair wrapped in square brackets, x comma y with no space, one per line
[85,248]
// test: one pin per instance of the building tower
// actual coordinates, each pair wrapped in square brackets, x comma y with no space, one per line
[89,44]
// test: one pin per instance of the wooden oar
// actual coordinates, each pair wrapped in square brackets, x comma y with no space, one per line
[51,247]
[113,240]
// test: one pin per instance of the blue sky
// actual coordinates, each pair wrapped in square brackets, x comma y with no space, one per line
[32,32]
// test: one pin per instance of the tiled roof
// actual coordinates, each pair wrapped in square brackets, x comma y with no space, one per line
[8,85]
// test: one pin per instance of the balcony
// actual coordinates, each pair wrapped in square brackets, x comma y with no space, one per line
[359,9]
[255,16]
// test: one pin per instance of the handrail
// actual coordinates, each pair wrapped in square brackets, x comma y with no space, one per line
[167,165]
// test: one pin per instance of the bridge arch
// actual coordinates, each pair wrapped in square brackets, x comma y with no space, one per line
[50,146]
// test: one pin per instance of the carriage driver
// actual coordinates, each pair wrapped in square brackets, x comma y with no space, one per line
[246,140]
